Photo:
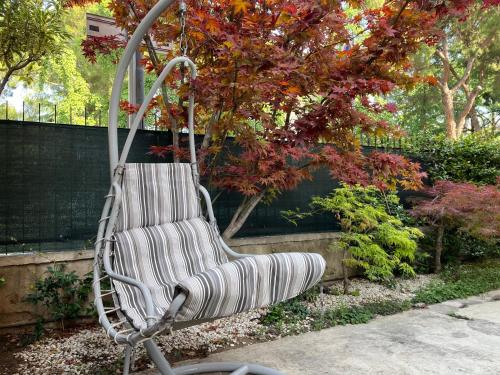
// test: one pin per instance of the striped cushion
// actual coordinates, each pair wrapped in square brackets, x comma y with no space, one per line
[248,283]
[156,194]
[163,241]
[160,256]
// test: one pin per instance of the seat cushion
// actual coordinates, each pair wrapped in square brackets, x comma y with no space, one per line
[214,289]
[155,194]
[248,283]
[160,256]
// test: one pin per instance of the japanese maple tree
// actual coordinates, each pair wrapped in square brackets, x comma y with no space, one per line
[290,83]
[463,206]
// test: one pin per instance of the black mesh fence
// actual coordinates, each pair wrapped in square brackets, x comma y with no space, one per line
[53,179]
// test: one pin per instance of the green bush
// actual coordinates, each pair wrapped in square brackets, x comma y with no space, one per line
[63,293]
[375,238]
[473,158]
[460,246]
[461,281]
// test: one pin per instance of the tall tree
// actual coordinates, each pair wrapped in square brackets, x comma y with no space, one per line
[291,82]
[465,54]
[29,30]
[69,80]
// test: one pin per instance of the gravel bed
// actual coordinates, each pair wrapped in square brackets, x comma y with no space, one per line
[364,291]
[90,351]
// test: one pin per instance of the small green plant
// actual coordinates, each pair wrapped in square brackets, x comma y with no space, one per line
[288,312]
[372,238]
[357,314]
[2,281]
[64,294]
[460,282]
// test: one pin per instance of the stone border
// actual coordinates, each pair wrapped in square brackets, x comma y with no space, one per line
[21,270]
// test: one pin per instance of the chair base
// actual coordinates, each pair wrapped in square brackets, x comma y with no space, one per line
[233,368]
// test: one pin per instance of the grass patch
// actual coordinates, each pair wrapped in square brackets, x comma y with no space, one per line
[357,314]
[293,316]
[461,281]
[286,317]
[289,312]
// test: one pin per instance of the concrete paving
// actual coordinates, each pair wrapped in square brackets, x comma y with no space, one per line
[456,337]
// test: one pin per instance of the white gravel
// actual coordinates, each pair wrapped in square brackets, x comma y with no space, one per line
[90,351]
[363,291]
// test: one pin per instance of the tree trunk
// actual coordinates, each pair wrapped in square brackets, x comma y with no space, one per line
[345,273]
[474,120]
[439,248]
[241,215]
[12,69]
[4,81]
[448,107]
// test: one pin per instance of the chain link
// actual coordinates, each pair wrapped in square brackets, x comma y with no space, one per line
[183,43]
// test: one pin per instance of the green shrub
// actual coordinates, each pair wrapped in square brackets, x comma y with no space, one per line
[461,281]
[473,158]
[63,293]
[376,240]
[461,246]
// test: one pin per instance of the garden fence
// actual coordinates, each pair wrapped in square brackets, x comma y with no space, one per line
[93,115]
[53,179]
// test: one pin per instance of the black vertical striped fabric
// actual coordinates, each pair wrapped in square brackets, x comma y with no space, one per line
[154,194]
[163,241]
[160,256]
[247,283]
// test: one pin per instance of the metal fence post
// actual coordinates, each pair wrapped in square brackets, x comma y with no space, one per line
[23,110]
[85,115]
[55,113]
[6,109]
[39,112]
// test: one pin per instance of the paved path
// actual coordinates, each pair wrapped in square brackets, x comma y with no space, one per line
[455,337]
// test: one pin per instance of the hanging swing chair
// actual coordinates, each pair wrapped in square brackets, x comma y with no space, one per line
[158,259]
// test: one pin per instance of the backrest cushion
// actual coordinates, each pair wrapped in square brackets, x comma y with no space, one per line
[155,194]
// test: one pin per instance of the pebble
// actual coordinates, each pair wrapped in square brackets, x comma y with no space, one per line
[89,351]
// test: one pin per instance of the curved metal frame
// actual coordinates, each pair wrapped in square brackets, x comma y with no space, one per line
[103,269]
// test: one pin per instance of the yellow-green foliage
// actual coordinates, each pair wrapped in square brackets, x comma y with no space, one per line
[377,241]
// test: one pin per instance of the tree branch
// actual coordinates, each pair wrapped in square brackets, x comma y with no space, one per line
[10,71]
[471,98]
[466,75]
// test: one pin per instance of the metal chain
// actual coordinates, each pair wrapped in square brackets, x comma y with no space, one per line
[183,43]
